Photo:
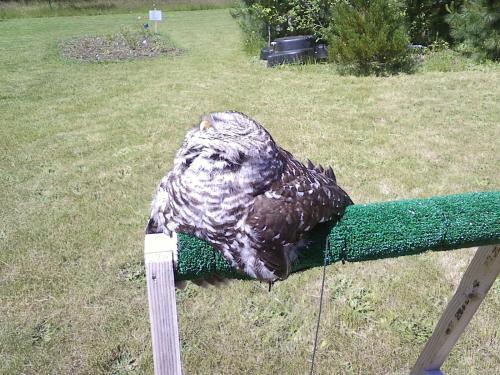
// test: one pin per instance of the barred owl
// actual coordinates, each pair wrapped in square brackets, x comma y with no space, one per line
[232,186]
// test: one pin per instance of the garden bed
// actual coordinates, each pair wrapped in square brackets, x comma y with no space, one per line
[126,44]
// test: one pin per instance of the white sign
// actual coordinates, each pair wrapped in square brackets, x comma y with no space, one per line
[155,15]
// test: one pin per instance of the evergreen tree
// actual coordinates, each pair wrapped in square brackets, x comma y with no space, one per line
[477,26]
[369,37]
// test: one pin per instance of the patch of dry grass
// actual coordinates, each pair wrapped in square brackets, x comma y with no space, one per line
[83,145]
[45,8]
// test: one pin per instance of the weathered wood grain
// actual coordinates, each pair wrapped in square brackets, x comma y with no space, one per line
[477,280]
[159,256]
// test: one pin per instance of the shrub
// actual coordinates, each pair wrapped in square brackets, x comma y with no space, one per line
[477,26]
[273,18]
[369,37]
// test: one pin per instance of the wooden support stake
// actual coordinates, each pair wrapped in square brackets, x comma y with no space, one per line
[160,252]
[477,280]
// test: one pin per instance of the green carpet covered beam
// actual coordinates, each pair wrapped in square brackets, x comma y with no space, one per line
[374,231]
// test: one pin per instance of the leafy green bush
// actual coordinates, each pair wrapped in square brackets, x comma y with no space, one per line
[477,27]
[369,37]
[271,19]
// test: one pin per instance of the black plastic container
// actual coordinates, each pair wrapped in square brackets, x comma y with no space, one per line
[290,43]
[264,53]
[293,49]
[320,52]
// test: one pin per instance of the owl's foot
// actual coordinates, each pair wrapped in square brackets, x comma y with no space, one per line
[271,283]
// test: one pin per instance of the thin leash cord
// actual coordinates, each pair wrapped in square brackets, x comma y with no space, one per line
[320,307]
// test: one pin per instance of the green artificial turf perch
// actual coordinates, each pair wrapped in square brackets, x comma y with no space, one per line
[374,231]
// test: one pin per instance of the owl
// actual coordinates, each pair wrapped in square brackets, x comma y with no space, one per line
[232,186]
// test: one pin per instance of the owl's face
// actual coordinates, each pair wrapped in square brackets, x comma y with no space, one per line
[229,136]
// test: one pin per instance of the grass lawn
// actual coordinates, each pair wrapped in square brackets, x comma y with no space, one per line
[82,146]
[55,8]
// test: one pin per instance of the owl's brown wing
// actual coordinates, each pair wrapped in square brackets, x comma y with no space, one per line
[295,204]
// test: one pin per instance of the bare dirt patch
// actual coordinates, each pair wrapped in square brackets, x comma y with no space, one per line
[125,45]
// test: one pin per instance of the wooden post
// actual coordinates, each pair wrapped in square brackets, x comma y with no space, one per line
[477,280]
[160,252]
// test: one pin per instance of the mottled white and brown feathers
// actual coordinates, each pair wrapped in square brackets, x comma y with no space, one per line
[232,186]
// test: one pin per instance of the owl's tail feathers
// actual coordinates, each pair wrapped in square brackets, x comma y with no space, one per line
[319,168]
[329,172]
[346,199]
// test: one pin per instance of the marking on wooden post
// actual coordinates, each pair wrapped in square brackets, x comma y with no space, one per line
[477,280]
[160,253]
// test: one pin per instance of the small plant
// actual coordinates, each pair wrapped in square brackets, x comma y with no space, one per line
[120,362]
[132,272]
[439,46]
[369,37]
[361,302]
[413,329]
[43,332]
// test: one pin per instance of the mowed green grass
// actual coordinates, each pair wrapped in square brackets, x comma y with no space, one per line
[56,8]
[82,147]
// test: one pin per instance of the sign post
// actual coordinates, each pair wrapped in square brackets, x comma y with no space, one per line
[156,16]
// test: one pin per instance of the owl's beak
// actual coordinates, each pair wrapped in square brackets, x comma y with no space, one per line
[204,125]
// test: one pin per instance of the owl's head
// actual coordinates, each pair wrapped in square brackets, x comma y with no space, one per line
[230,125]
[229,136]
